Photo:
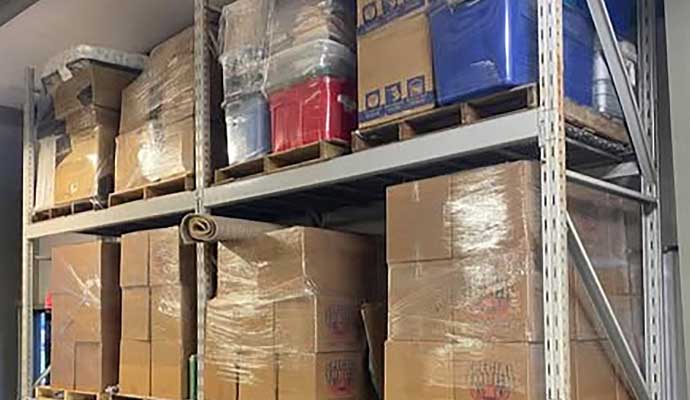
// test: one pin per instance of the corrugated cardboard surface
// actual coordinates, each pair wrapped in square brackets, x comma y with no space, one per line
[173,313]
[62,356]
[136,313]
[373,14]
[220,381]
[90,117]
[135,367]
[134,265]
[96,366]
[258,377]
[593,376]
[170,369]
[171,262]
[418,370]
[395,71]
[321,376]
[318,324]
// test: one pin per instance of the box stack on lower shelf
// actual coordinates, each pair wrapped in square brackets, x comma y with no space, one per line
[465,288]
[285,321]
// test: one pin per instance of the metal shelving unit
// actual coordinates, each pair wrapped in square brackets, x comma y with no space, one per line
[359,178]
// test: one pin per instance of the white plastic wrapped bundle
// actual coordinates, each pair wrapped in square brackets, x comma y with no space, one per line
[604,93]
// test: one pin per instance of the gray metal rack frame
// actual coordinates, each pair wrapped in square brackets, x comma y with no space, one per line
[542,130]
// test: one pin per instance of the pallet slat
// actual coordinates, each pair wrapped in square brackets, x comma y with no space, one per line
[305,155]
[72,208]
[241,170]
[168,186]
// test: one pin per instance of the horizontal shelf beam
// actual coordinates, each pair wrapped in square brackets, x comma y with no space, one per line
[137,211]
[609,187]
[432,148]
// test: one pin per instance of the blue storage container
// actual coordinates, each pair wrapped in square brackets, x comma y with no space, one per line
[485,46]
[248,128]
[623,14]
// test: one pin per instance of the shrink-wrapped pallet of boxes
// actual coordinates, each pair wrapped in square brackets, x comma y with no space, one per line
[465,287]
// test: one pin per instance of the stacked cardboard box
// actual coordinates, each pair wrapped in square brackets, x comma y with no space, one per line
[285,322]
[80,166]
[86,316]
[465,288]
[404,84]
[156,138]
[158,276]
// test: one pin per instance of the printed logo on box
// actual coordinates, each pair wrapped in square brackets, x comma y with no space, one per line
[393,93]
[491,381]
[340,377]
[392,9]
[369,13]
[373,99]
[416,87]
[340,319]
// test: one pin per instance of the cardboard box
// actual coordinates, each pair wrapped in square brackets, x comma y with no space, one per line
[91,117]
[171,263]
[450,214]
[316,324]
[84,165]
[62,362]
[97,85]
[63,313]
[173,313]
[418,370]
[373,14]
[290,261]
[258,376]
[404,84]
[220,381]
[485,370]
[321,376]
[136,313]
[170,369]
[96,366]
[593,376]
[135,367]
[134,265]
[374,316]
[153,153]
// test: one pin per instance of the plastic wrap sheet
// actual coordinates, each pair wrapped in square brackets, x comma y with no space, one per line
[302,21]
[248,128]
[604,93]
[158,280]
[286,313]
[165,90]
[84,165]
[309,60]
[465,285]
[154,152]
[45,173]
[63,66]
[86,315]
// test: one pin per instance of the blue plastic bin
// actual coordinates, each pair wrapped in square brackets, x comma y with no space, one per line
[248,128]
[485,46]
[623,14]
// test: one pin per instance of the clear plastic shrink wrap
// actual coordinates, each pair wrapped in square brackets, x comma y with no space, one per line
[86,316]
[158,281]
[465,286]
[285,321]
[157,119]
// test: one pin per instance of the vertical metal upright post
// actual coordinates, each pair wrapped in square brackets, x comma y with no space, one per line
[202,66]
[28,259]
[554,207]
[651,218]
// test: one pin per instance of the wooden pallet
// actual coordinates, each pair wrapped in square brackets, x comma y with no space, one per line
[168,186]
[71,208]
[241,170]
[595,123]
[465,113]
[48,393]
[133,397]
[305,155]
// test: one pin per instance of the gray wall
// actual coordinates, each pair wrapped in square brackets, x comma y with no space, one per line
[10,246]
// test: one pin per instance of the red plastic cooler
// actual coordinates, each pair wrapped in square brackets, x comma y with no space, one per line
[319,109]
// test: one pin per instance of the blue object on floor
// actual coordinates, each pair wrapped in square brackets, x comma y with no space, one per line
[248,128]
[485,46]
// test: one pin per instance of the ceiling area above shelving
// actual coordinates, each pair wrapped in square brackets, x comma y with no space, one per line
[50,26]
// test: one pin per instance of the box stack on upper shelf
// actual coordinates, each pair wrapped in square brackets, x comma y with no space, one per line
[285,320]
[465,287]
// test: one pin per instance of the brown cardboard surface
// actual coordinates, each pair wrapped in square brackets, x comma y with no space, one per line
[96,365]
[405,83]
[65,308]
[375,13]
[312,324]
[485,370]
[85,164]
[220,381]
[98,85]
[417,370]
[258,376]
[374,316]
[173,313]
[90,117]
[593,375]
[134,264]
[135,367]
[252,328]
[321,376]
[170,261]
[169,369]
[470,214]
[154,152]
[136,313]
[62,362]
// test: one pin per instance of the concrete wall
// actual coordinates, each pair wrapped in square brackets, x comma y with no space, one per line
[10,247]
